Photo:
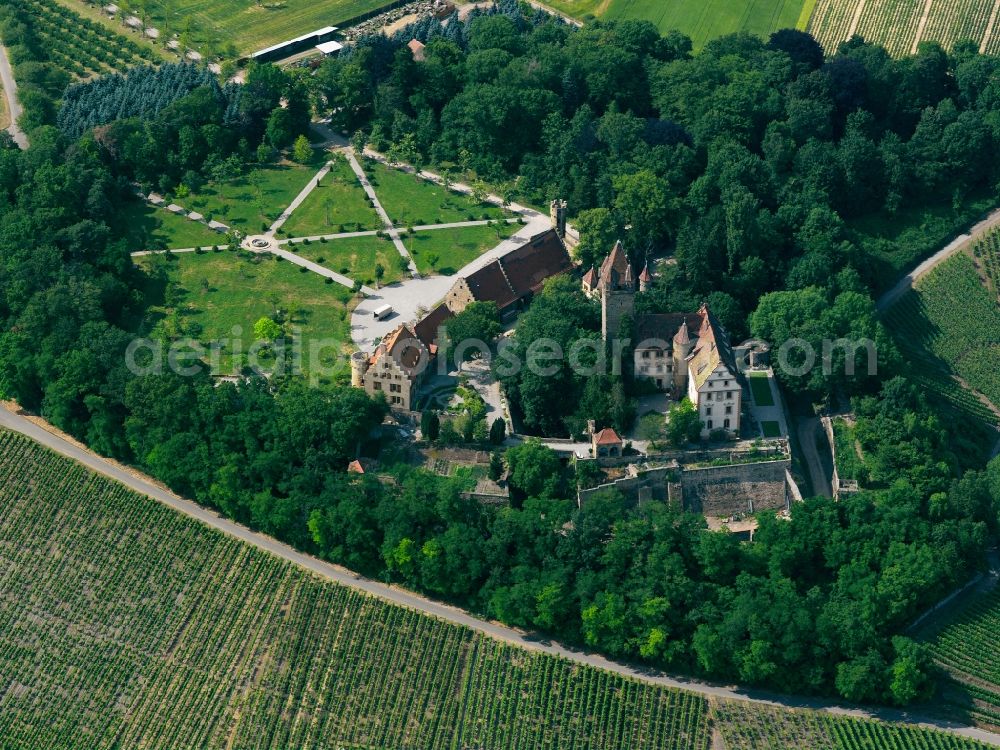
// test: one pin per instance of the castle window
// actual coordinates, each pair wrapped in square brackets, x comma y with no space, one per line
[709,424]
[726,423]
[645,355]
[729,410]
[378,385]
[708,411]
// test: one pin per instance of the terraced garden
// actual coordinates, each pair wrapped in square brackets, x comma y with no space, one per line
[129,625]
[81,46]
[950,326]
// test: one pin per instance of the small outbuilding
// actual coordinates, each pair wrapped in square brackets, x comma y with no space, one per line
[606,444]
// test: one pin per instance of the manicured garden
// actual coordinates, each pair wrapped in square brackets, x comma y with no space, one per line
[338,204]
[446,251]
[252,201]
[771,429]
[149,228]
[412,201]
[760,387]
[218,296]
[355,257]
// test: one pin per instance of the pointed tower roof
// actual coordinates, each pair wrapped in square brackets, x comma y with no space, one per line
[645,275]
[590,278]
[616,266]
[682,336]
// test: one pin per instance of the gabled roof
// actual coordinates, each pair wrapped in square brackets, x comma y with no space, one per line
[665,326]
[712,349]
[403,345]
[426,330]
[521,271]
[607,436]
[616,269]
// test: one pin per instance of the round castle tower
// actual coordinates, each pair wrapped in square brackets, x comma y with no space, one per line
[359,366]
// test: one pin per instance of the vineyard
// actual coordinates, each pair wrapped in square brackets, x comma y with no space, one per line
[965,645]
[899,25]
[950,324]
[128,625]
[79,45]
[762,728]
[986,254]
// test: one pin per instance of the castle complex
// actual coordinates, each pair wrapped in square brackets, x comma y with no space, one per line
[681,354]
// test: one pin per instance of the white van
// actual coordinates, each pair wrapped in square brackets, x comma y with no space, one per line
[383,312]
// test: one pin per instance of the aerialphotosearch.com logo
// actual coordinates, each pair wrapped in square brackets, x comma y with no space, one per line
[323,358]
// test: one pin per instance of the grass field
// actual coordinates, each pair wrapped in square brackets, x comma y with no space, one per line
[771,429]
[701,21]
[410,201]
[248,24]
[339,204]
[149,228]
[950,324]
[760,387]
[446,251]
[247,206]
[218,296]
[899,25]
[128,625]
[354,257]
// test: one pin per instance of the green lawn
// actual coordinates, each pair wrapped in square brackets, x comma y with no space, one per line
[248,24]
[150,228]
[652,426]
[771,429]
[410,201]
[761,389]
[446,251]
[700,20]
[339,204]
[354,257]
[218,296]
[245,206]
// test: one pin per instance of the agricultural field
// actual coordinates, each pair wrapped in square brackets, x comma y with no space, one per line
[900,25]
[701,21]
[149,228]
[411,201]
[446,251]
[218,296]
[248,24]
[127,624]
[745,727]
[338,204]
[355,257]
[252,200]
[81,46]
[965,645]
[986,256]
[950,325]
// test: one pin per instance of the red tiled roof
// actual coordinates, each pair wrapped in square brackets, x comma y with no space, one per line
[427,329]
[645,275]
[590,278]
[523,270]
[665,325]
[615,269]
[607,436]
[355,467]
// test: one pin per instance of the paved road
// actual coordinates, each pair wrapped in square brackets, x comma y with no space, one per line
[13,105]
[299,199]
[962,241]
[454,615]
[817,474]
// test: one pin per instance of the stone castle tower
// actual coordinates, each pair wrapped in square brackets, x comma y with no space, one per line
[359,366]
[683,345]
[616,284]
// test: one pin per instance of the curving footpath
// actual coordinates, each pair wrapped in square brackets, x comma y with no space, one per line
[394,595]
[13,105]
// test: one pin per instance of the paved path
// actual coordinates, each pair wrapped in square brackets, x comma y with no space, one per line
[140,253]
[303,194]
[13,105]
[808,430]
[401,597]
[959,243]
[856,19]
[316,268]
[920,27]
[389,226]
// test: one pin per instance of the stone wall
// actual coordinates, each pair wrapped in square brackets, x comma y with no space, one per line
[736,489]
